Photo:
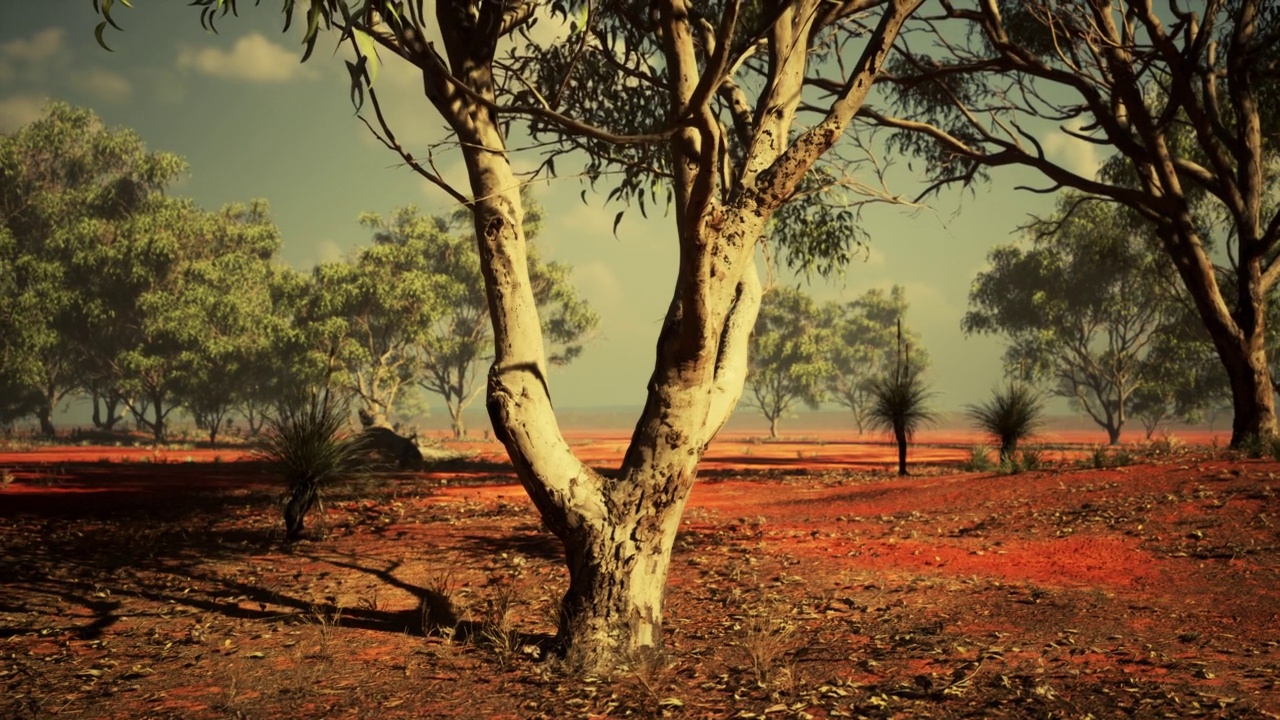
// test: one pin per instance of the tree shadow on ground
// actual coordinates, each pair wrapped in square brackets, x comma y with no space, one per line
[98,545]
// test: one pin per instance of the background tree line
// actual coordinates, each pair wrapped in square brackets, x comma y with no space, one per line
[142,303]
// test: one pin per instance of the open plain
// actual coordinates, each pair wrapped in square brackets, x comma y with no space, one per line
[807,582]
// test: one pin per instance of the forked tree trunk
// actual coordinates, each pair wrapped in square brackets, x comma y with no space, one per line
[618,531]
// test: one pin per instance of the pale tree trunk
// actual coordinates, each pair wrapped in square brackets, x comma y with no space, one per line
[618,532]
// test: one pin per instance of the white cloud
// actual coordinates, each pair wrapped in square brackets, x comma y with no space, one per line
[104,85]
[1078,156]
[252,57]
[19,110]
[41,46]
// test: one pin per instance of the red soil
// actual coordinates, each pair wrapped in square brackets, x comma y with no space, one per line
[802,585]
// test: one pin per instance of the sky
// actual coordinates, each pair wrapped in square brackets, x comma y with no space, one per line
[254,122]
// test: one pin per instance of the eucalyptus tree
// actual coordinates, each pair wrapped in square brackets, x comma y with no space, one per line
[227,296]
[1185,94]
[864,348]
[1082,308]
[58,172]
[789,355]
[383,302]
[449,347]
[719,90]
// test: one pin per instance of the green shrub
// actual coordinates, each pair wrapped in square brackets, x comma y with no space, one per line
[1254,446]
[1032,459]
[899,405]
[979,459]
[1010,416]
[307,446]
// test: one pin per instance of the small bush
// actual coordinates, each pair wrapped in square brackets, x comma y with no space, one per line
[1254,446]
[979,459]
[307,446]
[1032,459]
[1010,416]
[1102,458]
[1167,445]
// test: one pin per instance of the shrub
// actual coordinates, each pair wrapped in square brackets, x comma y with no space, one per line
[1254,446]
[899,405]
[1032,459]
[306,444]
[1010,416]
[979,459]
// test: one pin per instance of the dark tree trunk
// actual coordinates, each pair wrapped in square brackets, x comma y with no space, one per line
[901,436]
[301,498]
[1113,435]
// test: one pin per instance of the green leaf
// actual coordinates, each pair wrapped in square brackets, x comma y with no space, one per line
[365,44]
[97,33]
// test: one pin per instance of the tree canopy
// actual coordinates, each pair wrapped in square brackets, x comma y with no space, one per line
[1083,308]
[1185,97]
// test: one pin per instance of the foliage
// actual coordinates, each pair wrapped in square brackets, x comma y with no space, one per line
[789,356]
[901,402]
[306,445]
[1083,308]
[979,460]
[1010,416]
[1188,108]
[56,174]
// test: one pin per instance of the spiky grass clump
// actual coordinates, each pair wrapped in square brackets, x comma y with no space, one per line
[1010,416]
[900,405]
[306,443]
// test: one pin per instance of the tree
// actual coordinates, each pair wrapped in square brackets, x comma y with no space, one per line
[228,296]
[57,172]
[864,348]
[453,341]
[382,305]
[1185,98]
[788,361]
[900,401]
[730,166]
[1083,308]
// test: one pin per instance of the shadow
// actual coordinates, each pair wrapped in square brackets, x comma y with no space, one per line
[81,541]
[542,545]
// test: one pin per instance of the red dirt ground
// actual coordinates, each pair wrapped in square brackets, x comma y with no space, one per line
[807,582]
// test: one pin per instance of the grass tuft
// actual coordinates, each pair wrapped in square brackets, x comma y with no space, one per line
[1010,416]
[307,444]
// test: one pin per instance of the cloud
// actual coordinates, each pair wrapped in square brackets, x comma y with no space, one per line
[41,46]
[1078,156]
[20,110]
[253,58]
[104,85]
[7,73]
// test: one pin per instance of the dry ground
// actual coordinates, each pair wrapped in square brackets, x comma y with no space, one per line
[806,582]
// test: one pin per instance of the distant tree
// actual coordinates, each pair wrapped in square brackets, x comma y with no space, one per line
[1082,308]
[901,401]
[227,295]
[57,173]
[383,303]
[1186,94]
[789,362]
[864,348]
